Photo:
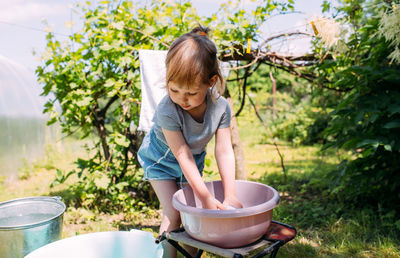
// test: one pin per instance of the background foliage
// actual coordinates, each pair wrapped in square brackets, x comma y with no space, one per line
[366,120]
[93,80]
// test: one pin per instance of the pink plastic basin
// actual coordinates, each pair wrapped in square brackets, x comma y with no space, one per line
[228,228]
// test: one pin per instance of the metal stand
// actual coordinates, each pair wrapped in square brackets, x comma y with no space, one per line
[278,234]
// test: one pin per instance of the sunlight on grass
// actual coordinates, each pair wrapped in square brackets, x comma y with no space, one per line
[262,158]
[341,239]
[35,177]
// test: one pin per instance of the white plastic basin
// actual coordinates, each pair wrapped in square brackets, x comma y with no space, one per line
[111,244]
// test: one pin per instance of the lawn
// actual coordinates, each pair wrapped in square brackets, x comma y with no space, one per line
[326,228]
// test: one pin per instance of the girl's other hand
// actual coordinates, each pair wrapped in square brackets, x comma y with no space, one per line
[212,204]
[232,201]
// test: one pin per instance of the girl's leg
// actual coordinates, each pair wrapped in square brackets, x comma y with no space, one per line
[171,220]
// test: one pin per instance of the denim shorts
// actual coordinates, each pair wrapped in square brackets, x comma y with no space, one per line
[159,163]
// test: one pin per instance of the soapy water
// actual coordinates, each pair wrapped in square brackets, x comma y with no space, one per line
[229,207]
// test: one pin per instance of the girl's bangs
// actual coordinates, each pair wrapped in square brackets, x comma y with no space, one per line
[184,66]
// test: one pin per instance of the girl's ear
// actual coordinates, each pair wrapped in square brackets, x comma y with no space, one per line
[213,80]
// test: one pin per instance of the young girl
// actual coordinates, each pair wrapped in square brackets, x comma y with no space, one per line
[193,111]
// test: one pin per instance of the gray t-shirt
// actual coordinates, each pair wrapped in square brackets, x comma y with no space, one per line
[172,117]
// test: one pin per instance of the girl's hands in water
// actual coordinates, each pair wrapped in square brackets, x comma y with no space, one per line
[232,201]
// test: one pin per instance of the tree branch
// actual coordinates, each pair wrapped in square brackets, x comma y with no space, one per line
[246,74]
[283,35]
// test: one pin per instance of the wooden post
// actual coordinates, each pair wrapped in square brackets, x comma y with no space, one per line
[240,168]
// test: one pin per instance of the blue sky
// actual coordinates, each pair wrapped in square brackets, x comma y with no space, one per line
[21,24]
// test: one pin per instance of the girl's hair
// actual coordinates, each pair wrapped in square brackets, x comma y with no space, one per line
[192,58]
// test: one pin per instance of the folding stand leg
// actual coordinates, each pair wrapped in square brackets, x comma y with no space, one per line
[199,253]
[180,249]
[275,248]
[273,254]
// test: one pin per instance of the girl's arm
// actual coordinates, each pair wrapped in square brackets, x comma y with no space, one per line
[226,165]
[187,163]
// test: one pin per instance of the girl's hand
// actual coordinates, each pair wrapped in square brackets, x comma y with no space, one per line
[212,204]
[232,201]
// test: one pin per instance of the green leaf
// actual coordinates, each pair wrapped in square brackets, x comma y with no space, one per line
[351,143]
[102,181]
[371,142]
[124,61]
[109,83]
[394,110]
[122,140]
[328,145]
[120,186]
[131,75]
[387,147]
[393,124]
[84,102]
[118,25]
[105,46]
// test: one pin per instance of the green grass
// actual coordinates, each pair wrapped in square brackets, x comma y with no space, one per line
[326,227]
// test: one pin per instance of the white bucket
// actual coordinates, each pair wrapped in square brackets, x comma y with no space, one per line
[111,244]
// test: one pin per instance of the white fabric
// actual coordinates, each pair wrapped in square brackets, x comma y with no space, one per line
[152,76]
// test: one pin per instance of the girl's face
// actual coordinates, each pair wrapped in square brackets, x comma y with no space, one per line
[187,98]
